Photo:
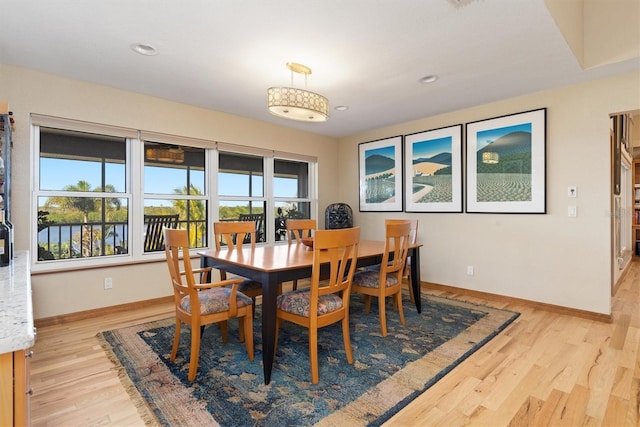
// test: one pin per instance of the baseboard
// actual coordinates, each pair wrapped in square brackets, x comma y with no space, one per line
[81,315]
[607,318]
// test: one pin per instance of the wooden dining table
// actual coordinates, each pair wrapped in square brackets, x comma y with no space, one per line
[274,264]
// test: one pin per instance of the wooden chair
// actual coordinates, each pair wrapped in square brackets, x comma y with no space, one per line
[413,238]
[153,237]
[214,302]
[387,280]
[297,229]
[234,234]
[324,303]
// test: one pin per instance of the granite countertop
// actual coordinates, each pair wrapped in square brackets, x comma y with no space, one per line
[16,307]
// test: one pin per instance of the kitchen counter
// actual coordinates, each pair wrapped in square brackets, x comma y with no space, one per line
[16,306]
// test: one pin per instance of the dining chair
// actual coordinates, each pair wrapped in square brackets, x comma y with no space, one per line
[298,229]
[413,238]
[234,234]
[326,301]
[201,304]
[386,280]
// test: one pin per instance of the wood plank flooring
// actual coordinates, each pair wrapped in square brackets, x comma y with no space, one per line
[545,369]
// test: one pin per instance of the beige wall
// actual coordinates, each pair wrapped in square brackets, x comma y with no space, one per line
[31,92]
[548,258]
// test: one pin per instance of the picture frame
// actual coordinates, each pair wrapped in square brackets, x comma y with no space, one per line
[380,175]
[506,164]
[433,170]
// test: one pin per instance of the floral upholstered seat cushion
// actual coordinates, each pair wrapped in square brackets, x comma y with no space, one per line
[369,279]
[215,300]
[298,302]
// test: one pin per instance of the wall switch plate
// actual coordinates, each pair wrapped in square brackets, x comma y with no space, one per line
[572,191]
[572,211]
[108,283]
[469,270]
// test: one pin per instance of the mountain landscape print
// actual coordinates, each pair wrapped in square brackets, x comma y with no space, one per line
[380,175]
[431,171]
[504,164]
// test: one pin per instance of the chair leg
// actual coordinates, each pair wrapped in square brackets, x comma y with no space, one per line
[398,298]
[413,298]
[247,323]
[275,344]
[223,330]
[383,315]
[313,355]
[367,303]
[176,340]
[347,340]
[195,352]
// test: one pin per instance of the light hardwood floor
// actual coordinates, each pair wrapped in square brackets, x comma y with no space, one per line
[545,369]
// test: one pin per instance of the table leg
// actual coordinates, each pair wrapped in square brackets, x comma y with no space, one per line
[269,294]
[415,277]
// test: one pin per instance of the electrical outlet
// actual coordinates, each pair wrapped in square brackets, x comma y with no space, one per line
[469,270]
[108,283]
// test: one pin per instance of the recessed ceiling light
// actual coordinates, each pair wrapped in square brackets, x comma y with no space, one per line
[144,49]
[342,108]
[428,79]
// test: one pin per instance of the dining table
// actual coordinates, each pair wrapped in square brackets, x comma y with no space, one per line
[272,265]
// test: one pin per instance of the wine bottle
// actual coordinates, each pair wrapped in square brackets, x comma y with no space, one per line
[5,242]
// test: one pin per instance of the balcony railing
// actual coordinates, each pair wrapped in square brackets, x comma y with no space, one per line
[85,240]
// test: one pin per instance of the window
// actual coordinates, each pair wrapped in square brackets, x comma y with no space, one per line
[174,183]
[102,192]
[241,190]
[82,203]
[291,193]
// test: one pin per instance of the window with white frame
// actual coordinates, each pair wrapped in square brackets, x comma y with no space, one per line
[98,186]
[82,199]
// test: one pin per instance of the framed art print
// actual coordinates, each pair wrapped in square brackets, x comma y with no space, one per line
[433,170]
[380,175]
[506,164]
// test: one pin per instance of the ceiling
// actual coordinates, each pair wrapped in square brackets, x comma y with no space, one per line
[365,54]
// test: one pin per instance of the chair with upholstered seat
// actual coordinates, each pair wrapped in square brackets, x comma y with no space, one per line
[233,234]
[326,302]
[386,280]
[298,229]
[201,304]
[413,238]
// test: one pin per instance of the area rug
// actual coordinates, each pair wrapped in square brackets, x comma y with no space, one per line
[229,390]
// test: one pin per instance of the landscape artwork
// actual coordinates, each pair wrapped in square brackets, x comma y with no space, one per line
[433,170]
[380,175]
[506,171]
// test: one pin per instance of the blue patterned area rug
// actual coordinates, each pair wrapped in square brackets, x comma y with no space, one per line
[229,390]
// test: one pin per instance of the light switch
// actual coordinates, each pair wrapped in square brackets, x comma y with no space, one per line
[572,211]
[572,191]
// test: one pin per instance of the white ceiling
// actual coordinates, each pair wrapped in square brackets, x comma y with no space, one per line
[366,54]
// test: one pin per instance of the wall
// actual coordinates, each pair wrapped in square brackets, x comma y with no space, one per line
[29,91]
[547,258]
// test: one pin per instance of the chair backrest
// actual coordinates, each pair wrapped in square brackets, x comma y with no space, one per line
[153,237]
[258,219]
[234,233]
[339,250]
[179,262]
[396,248]
[338,215]
[298,229]
[413,237]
